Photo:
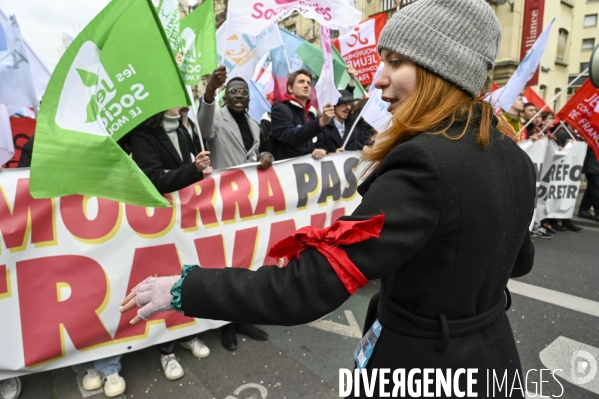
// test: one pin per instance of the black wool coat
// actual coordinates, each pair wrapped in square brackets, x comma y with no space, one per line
[455,230]
[292,135]
[155,154]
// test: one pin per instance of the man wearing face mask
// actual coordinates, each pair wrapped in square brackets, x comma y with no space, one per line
[235,138]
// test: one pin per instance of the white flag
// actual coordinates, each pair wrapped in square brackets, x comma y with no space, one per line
[16,82]
[39,72]
[242,52]
[7,148]
[251,16]
[375,111]
[326,92]
[525,70]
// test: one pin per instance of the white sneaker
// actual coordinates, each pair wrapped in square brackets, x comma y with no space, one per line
[171,366]
[114,385]
[197,347]
[92,380]
[10,388]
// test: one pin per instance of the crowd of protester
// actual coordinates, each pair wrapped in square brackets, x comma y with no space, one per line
[544,125]
[174,152]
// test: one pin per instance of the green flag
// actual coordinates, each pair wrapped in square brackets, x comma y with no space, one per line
[117,73]
[169,15]
[198,41]
[312,57]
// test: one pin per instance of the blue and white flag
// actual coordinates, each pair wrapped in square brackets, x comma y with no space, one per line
[525,71]
[259,105]
[40,73]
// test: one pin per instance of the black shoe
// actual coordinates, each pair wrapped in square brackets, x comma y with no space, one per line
[568,224]
[588,215]
[251,331]
[556,226]
[228,338]
[541,233]
[548,228]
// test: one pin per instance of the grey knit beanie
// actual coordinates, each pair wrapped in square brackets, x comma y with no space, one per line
[455,39]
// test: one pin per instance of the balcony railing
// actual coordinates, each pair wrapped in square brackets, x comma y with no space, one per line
[387,5]
[404,3]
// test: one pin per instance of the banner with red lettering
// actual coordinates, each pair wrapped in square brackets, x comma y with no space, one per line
[531,30]
[22,130]
[65,263]
[358,47]
[579,111]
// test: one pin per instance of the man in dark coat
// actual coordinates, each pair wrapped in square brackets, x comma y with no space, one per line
[295,129]
[335,132]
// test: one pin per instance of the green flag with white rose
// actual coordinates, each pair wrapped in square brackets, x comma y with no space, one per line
[198,42]
[118,72]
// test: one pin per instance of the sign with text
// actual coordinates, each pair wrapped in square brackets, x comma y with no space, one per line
[65,263]
[531,29]
[358,47]
[580,112]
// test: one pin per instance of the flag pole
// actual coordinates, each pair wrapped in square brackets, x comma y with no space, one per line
[195,112]
[354,125]
[550,101]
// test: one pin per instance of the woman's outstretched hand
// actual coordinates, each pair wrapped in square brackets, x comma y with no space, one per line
[152,295]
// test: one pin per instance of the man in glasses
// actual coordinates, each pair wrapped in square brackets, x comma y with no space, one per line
[235,138]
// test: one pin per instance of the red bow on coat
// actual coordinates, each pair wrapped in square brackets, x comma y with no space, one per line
[327,240]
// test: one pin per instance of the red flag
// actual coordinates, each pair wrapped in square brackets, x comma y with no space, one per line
[494,86]
[534,98]
[358,47]
[582,113]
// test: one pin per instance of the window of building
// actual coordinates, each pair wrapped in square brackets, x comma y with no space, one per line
[590,20]
[561,46]
[588,44]
[583,66]
[556,102]
[334,34]
[543,91]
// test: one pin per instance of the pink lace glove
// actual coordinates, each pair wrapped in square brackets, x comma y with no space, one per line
[154,295]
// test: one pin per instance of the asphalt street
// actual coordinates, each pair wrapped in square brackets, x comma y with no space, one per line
[555,313]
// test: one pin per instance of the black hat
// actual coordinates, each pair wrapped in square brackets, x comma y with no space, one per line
[346,97]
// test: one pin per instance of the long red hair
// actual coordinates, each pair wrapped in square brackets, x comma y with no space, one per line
[433,108]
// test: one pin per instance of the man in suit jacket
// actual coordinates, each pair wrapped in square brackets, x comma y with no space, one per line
[336,131]
[235,138]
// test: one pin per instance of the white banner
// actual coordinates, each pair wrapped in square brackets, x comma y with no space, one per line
[65,263]
[560,180]
[251,16]
[536,151]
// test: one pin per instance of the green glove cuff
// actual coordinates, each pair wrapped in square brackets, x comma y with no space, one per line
[176,290]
